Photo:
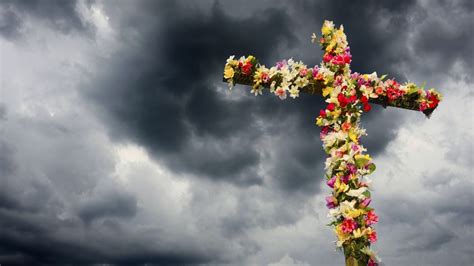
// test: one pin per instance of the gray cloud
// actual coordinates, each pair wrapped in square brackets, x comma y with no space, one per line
[60,15]
[231,176]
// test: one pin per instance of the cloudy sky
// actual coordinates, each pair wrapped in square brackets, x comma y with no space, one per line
[120,144]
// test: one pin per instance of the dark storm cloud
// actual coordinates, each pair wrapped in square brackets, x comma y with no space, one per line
[60,15]
[169,103]
[376,30]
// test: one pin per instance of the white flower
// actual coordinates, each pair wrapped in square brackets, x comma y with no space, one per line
[294,92]
[333,213]
[314,38]
[301,82]
[357,193]
[272,86]
[281,92]
[230,59]
[257,91]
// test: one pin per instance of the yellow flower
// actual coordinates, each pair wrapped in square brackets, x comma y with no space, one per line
[358,233]
[228,72]
[319,121]
[353,136]
[340,186]
[336,113]
[354,213]
[325,30]
[327,91]
[341,236]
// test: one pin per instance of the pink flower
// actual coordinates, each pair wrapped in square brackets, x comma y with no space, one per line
[303,72]
[355,75]
[355,147]
[315,71]
[331,202]
[345,179]
[379,91]
[324,132]
[372,237]
[371,218]
[348,225]
[280,92]
[331,182]
[352,168]
[423,106]
[338,60]
[365,203]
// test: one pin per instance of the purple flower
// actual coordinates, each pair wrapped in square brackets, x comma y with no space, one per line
[281,64]
[345,179]
[355,75]
[365,203]
[355,147]
[331,182]
[315,71]
[331,202]
[352,168]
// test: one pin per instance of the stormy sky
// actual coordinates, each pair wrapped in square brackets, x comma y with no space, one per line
[120,144]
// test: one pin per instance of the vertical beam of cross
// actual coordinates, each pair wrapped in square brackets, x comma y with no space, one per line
[348,95]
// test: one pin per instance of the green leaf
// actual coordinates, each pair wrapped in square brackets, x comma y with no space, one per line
[383,77]
[361,160]
[371,168]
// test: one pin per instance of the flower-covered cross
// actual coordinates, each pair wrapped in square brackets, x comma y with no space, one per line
[348,95]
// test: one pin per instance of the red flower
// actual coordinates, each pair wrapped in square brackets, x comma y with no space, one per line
[423,106]
[331,107]
[367,107]
[352,99]
[371,218]
[327,58]
[372,237]
[247,68]
[342,100]
[363,99]
[348,225]
[434,101]
[372,262]
[322,113]
[347,58]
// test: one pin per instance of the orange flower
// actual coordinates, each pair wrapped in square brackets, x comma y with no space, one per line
[346,126]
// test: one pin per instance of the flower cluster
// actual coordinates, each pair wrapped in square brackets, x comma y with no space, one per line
[347,95]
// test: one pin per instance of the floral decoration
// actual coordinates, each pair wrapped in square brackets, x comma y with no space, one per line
[347,95]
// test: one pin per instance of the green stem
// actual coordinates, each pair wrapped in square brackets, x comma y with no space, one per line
[351,260]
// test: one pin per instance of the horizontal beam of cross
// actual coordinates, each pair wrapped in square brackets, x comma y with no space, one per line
[316,88]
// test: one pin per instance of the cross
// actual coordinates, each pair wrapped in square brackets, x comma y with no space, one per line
[348,95]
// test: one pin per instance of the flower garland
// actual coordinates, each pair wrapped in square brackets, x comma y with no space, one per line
[348,95]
